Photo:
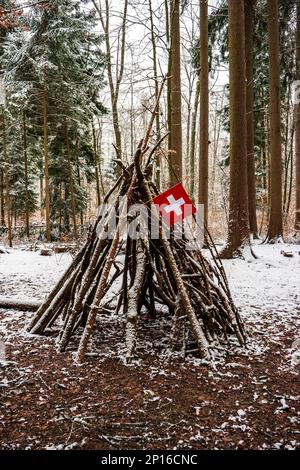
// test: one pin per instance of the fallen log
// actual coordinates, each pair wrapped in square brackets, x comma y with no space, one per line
[19,304]
[45,252]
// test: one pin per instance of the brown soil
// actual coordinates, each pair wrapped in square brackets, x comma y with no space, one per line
[156,403]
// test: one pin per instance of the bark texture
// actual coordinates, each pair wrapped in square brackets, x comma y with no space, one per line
[175,159]
[238,227]
[275,228]
[297,124]
[249,43]
[204,110]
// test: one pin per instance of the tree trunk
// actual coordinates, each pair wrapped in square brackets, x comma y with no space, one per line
[6,181]
[266,158]
[238,229]
[193,139]
[66,212]
[249,44]
[286,154]
[27,228]
[216,140]
[275,229]
[79,177]
[297,124]
[71,180]
[42,209]
[114,86]
[291,165]
[188,127]
[157,118]
[175,158]
[169,107]
[96,165]
[60,207]
[2,203]
[46,166]
[17,304]
[204,109]
[99,153]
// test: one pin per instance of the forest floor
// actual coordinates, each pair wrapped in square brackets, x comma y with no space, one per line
[247,399]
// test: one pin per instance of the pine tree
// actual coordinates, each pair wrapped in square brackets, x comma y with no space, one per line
[62,67]
[7,23]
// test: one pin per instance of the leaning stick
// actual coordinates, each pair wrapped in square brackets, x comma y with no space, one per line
[57,288]
[114,246]
[182,292]
[89,327]
[133,300]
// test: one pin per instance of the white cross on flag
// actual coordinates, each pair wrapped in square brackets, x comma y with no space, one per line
[174,204]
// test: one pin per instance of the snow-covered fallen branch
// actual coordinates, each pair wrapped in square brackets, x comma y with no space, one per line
[19,304]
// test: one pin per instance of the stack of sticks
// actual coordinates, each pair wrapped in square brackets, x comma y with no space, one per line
[158,276]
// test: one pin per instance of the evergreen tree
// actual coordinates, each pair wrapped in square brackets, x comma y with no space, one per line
[8,21]
[60,66]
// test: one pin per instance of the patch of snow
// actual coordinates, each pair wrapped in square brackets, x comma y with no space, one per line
[29,276]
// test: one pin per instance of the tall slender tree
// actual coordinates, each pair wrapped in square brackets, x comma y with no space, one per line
[275,228]
[175,160]
[26,174]
[297,123]
[96,160]
[6,179]
[70,176]
[156,87]
[192,147]
[249,45]
[167,5]
[7,23]
[2,203]
[238,229]
[114,84]
[204,110]
[46,161]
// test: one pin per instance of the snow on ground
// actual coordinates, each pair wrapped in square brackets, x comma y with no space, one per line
[28,275]
[248,399]
[267,291]
[271,282]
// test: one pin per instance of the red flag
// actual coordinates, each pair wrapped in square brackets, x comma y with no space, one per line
[174,204]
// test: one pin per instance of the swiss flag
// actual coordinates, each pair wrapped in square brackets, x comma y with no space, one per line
[174,204]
